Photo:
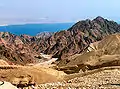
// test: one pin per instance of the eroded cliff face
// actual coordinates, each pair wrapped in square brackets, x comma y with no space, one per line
[76,39]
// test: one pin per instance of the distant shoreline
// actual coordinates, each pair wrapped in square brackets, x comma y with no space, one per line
[34,29]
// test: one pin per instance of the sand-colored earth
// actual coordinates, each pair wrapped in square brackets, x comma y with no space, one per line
[3,62]
[37,74]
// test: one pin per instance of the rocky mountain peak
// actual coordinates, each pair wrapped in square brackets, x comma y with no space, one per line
[99,18]
[77,38]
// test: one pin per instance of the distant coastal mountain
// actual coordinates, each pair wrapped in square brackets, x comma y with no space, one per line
[34,29]
[44,35]
[25,49]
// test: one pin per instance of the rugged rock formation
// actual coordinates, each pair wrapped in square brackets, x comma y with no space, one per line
[105,54]
[17,49]
[76,39]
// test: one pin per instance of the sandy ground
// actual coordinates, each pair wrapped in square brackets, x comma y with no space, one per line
[47,78]
[37,74]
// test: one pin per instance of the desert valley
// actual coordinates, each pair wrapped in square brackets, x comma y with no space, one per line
[85,56]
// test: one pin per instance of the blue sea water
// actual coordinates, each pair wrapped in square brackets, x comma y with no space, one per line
[33,29]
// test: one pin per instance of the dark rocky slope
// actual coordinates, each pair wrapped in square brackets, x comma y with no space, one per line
[16,49]
[76,39]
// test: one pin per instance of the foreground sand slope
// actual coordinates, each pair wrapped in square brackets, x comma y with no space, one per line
[28,74]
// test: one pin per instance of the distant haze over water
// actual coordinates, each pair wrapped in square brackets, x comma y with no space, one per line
[33,29]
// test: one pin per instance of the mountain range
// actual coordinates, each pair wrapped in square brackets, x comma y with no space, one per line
[76,39]
[25,49]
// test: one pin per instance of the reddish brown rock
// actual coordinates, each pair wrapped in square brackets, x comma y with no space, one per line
[76,39]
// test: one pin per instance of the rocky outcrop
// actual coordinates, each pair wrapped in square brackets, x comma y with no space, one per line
[105,54]
[76,39]
[17,49]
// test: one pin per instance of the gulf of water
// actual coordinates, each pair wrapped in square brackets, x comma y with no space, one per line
[33,29]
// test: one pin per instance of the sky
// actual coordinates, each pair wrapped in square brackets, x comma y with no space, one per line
[56,11]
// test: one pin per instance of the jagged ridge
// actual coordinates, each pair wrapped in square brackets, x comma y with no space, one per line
[76,39]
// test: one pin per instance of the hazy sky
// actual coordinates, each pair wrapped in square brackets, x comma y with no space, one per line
[42,11]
